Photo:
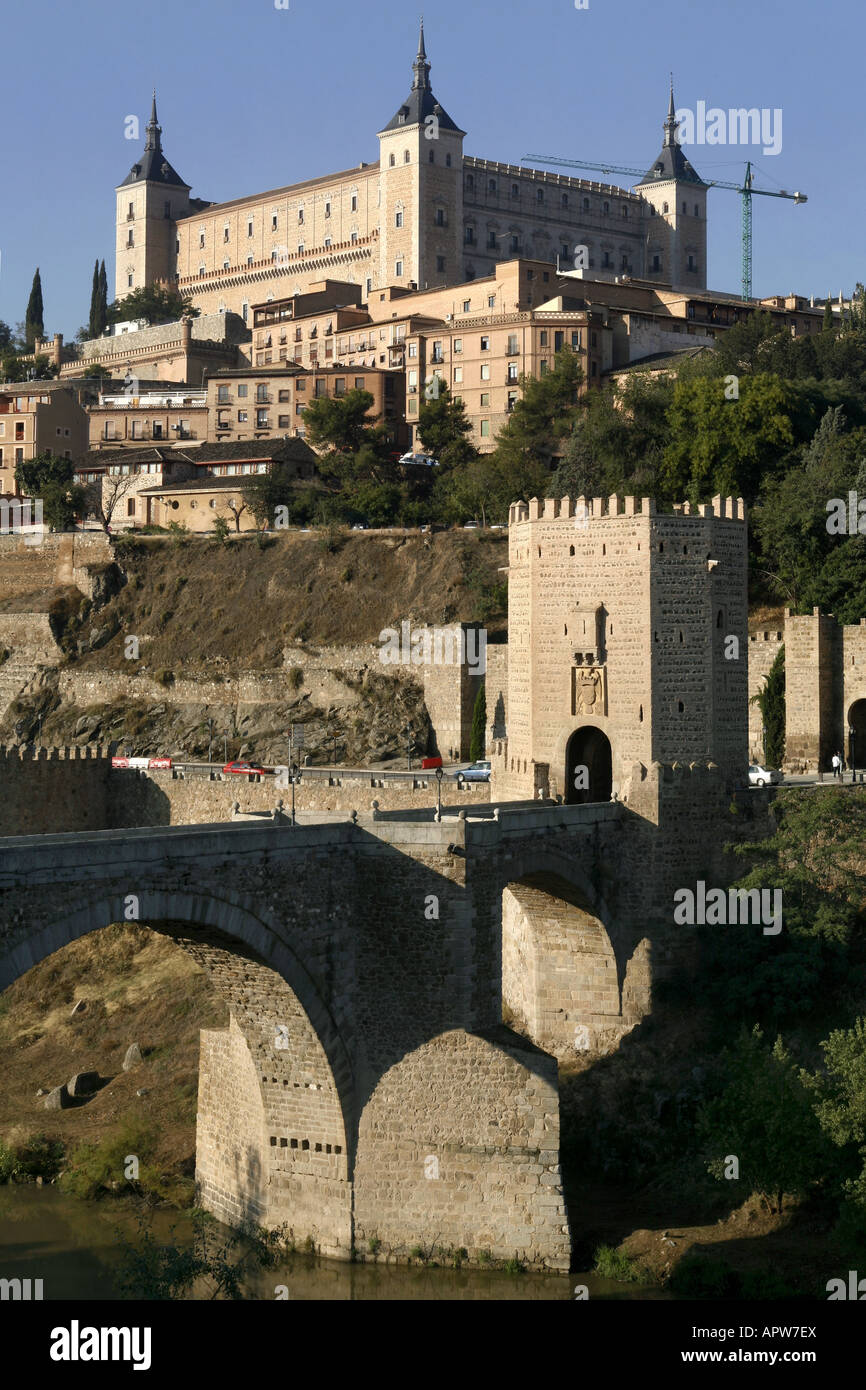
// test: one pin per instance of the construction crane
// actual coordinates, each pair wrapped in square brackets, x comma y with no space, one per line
[745,189]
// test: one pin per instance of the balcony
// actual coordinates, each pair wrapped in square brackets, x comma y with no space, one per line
[264,398]
[130,217]
[511,381]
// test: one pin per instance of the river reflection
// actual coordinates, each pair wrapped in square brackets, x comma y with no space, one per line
[74,1247]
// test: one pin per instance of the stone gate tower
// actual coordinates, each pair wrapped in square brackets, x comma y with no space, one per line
[627,644]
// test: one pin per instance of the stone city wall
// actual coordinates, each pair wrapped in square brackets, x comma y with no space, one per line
[763,650]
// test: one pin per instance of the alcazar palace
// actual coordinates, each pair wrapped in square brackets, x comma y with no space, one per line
[421,216]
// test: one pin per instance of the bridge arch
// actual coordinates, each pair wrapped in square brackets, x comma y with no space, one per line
[573,980]
[276,1129]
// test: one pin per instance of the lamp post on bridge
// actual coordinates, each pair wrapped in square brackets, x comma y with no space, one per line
[439,775]
[293,772]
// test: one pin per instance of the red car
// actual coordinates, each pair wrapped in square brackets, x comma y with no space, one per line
[244,769]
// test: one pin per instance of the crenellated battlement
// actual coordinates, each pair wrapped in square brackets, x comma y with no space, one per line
[606,508]
[24,752]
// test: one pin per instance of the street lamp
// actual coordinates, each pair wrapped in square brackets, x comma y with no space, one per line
[408,732]
[210,728]
[439,775]
[293,772]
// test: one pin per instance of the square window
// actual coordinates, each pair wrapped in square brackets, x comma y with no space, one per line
[485,398]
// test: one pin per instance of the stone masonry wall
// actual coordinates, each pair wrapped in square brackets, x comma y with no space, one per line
[59,559]
[54,791]
[459,1147]
[763,650]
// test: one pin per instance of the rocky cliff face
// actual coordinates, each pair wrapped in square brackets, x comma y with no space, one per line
[174,648]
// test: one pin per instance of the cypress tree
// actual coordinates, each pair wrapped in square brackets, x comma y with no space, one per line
[33,320]
[103,300]
[771,702]
[94,302]
[477,738]
[828,316]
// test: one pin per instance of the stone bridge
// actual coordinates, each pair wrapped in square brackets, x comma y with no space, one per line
[367,1084]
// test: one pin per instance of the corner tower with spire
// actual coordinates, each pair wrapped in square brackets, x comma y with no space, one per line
[676,241]
[421,188]
[149,200]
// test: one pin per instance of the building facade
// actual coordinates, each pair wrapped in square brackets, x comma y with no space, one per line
[269,402]
[422,215]
[36,418]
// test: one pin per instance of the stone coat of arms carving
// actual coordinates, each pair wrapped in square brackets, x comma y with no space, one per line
[589,692]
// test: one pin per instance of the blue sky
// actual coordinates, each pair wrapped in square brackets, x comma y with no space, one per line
[252,97]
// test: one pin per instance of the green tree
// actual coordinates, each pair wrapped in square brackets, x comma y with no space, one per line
[341,423]
[764,1118]
[98,301]
[771,702]
[478,736]
[102,302]
[742,348]
[50,479]
[154,304]
[264,493]
[815,861]
[94,301]
[6,337]
[14,369]
[731,446]
[444,429]
[34,326]
[827,324]
[544,416]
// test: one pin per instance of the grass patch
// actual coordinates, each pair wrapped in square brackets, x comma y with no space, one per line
[613,1264]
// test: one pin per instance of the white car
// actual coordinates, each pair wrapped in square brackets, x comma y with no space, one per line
[470,526]
[425,460]
[763,776]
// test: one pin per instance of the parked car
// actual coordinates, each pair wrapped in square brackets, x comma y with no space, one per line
[360,526]
[764,776]
[470,526]
[243,769]
[424,460]
[476,772]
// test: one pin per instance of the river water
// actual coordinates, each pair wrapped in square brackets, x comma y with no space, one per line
[76,1248]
